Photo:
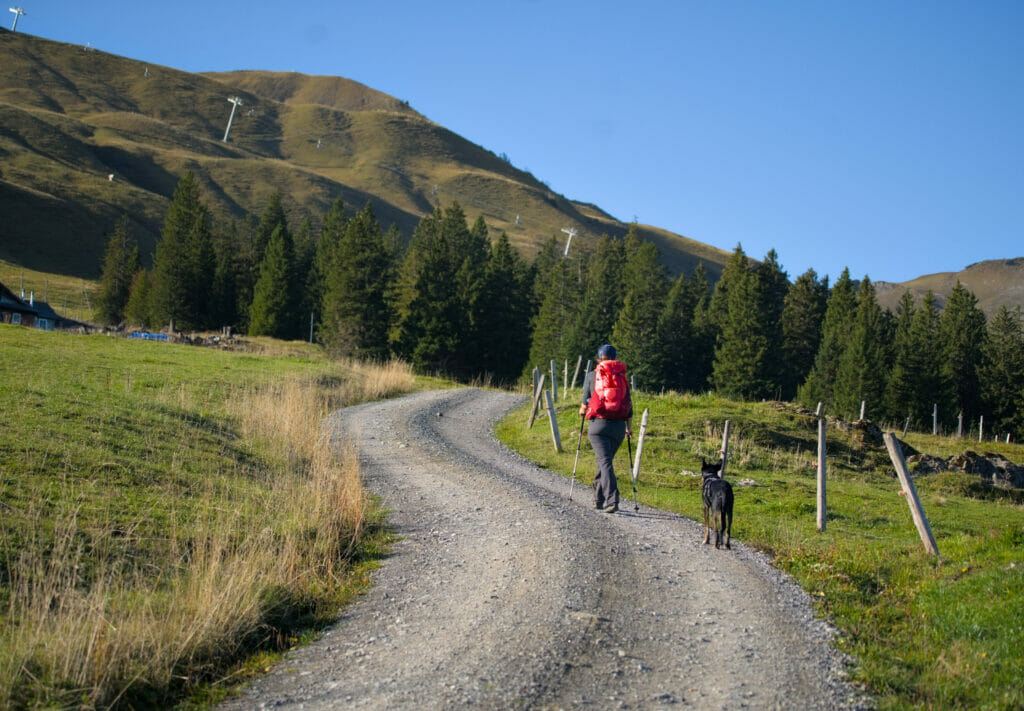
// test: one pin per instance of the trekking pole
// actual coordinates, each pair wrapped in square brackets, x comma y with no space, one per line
[629,450]
[635,470]
[579,442]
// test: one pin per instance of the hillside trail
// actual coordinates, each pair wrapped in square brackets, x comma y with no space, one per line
[501,594]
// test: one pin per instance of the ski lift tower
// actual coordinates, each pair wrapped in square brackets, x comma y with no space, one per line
[571,231]
[18,12]
[235,103]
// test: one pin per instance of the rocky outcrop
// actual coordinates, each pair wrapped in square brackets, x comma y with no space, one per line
[992,469]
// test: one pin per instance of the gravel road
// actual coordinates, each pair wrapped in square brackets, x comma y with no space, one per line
[501,594]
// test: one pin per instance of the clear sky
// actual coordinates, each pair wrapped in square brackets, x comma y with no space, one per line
[886,136]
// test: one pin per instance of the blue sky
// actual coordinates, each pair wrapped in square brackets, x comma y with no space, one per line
[882,136]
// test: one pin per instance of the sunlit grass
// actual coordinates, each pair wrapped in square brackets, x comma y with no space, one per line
[167,511]
[925,632]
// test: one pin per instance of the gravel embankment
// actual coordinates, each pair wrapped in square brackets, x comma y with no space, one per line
[502,594]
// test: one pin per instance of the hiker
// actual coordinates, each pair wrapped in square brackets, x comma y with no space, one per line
[606,403]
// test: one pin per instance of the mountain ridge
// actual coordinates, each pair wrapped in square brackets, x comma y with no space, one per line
[86,136]
[994,282]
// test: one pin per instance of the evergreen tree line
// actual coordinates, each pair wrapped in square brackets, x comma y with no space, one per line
[452,302]
[757,336]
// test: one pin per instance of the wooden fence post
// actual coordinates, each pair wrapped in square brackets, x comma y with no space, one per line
[817,413]
[981,427]
[565,380]
[635,471]
[906,426]
[536,401]
[554,381]
[579,361]
[935,420]
[960,425]
[822,510]
[554,422]
[632,383]
[916,511]
[863,406]
[725,447]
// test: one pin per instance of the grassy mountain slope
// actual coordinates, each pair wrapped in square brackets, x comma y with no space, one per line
[330,92]
[994,282]
[71,117]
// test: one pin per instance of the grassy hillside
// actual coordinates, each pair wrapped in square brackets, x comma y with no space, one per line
[994,282]
[331,92]
[925,633]
[71,117]
[167,513]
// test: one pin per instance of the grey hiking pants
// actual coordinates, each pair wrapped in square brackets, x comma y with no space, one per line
[606,437]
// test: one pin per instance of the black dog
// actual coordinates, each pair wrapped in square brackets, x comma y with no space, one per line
[717,497]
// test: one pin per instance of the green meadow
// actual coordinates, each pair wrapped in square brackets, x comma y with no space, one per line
[925,632]
[169,514]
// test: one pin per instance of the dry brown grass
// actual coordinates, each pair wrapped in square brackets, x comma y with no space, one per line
[101,628]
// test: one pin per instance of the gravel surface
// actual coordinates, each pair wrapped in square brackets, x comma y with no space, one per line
[502,594]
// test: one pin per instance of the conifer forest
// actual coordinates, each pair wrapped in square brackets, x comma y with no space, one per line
[451,300]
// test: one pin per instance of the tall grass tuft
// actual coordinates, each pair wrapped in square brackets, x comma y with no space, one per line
[231,553]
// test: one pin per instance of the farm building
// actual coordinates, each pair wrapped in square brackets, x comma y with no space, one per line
[17,310]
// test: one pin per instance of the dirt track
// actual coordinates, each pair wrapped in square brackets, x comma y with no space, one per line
[501,594]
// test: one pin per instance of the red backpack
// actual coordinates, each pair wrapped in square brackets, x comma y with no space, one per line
[611,392]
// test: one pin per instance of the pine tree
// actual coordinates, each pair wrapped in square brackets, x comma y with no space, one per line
[920,370]
[699,350]
[247,267]
[802,319]
[741,352]
[325,253]
[305,255]
[356,315]
[273,304]
[202,267]
[227,276]
[839,314]
[503,309]
[635,333]
[901,386]
[438,274]
[550,329]
[861,374]
[404,331]
[773,286]
[273,217]
[601,299]
[120,265]
[550,254]
[736,268]
[1002,373]
[471,251]
[963,333]
[139,309]
[675,328]
[180,282]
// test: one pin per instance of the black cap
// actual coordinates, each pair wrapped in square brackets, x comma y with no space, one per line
[606,351]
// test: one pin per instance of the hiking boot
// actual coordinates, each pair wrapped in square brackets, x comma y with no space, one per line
[612,509]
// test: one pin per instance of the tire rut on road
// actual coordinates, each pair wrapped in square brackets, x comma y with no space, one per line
[501,594]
